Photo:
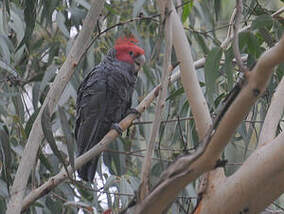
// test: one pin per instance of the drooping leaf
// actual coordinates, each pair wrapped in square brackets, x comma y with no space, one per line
[201,42]
[5,46]
[211,70]
[262,21]
[30,20]
[8,68]
[19,107]
[6,153]
[186,11]
[60,20]
[228,67]
[68,135]
[175,93]
[48,75]
[137,7]
[110,181]
[125,188]
[3,189]
[30,122]
[47,130]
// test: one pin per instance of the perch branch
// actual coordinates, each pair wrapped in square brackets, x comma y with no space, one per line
[187,168]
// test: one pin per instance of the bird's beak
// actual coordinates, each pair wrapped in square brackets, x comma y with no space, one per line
[139,61]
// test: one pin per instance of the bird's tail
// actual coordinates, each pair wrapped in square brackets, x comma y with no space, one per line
[88,171]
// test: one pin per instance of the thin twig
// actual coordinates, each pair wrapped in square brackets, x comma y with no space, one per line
[163,121]
[145,185]
[236,50]
[181,136]
[278,12]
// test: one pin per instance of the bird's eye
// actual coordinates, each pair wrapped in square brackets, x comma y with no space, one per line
[131,53]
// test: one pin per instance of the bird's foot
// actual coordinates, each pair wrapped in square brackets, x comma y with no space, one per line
[117,128]
[134,111]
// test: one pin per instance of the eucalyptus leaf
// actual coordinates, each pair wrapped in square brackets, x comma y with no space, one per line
[47,130]
[6,153]
[211,70]
[68,135]
[60,20]
[30,19]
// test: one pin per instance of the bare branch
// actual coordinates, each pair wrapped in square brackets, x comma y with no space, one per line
[253,195]
[273,116]
[187,168]
[146,168]
[236,50]
[189,78]
[228,38]
[278,12]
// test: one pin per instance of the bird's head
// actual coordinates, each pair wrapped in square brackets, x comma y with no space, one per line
[128,51]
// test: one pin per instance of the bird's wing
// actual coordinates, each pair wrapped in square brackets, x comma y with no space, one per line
[91,125]
[91,110]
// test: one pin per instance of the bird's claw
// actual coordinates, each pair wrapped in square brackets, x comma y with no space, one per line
[117,128]
[134,111]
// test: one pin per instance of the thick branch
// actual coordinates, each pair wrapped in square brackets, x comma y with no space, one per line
[242,191]
[189,78]
[273,115]
[36,134]
[187,169]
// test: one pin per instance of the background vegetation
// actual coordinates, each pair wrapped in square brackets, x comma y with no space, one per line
[36,36]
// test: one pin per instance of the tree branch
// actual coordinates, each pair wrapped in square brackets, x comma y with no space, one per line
[186,169]
[36,134]
[273,115]
[146,168]
[236,50]
[241,192]
[189,78]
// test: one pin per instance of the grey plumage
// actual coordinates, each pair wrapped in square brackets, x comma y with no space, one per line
[104,98]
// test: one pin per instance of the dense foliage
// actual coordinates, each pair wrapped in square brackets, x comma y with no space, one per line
[35,37]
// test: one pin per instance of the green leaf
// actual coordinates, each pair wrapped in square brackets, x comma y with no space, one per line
[30,19]
[60,20]
[44,161]
[30,122]
[18,25]
[262,21]
[228,68]
[48,75]
[84,4]
[68,135]
[125,188]
[19,107]
[217,7]
[109,182]
[8,68]
[3,189]
[6,4]
[47,130]
[5,45]
[211,70]
[137,7]
[6,151]
[175,93]
[201,42]
[186,11]
[36,94]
